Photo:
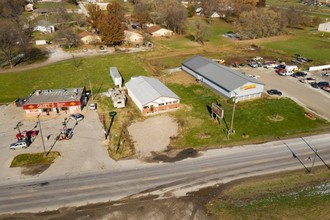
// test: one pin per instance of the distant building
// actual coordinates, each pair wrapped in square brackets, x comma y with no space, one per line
[29,7]
[150,95]
[157,31]
[44,29]
[325,27]
[224,80]
[55,101]
[89,38]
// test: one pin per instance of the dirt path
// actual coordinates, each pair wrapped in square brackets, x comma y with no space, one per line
[153,134]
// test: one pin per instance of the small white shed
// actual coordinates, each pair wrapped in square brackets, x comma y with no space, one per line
[116,77]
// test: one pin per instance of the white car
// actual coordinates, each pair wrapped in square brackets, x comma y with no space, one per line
[92,106]
[18,144]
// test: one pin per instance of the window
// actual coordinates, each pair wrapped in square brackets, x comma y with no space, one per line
[168,103]
[175,101]
[160,104]
[146,107]
[64,108]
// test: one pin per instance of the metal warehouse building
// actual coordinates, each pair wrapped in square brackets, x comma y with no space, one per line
[224,80]
[55,101]
[150,95]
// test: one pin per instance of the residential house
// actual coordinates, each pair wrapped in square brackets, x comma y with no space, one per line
[89,38]
[325,27]
[157,31]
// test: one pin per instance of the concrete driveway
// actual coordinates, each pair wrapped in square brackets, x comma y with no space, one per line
[84,152]
[315,100]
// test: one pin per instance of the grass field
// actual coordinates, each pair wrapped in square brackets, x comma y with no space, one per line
[34,159]
[289,195]
[255,121]
[66,75]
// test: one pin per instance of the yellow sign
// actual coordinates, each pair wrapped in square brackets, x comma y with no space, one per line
[252,86]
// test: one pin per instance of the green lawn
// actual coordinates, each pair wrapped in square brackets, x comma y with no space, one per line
[315,46]
[66,75]
[254,121]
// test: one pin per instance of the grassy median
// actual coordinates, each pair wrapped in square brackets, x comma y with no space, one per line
[288,195]
[34,159]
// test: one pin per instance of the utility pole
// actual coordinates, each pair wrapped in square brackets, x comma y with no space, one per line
[42,137]
[314,160]
[295,156]
[231,130]
[316,153]
[17,126]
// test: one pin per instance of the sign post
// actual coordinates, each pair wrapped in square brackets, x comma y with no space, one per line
[217,111]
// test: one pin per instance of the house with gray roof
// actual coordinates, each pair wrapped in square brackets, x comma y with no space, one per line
[224,80]
[151,96]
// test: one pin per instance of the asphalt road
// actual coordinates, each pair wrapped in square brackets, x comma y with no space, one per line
[213,166]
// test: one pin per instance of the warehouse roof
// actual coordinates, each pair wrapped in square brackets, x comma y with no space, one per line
[220,75]
[147,89]
[55,95]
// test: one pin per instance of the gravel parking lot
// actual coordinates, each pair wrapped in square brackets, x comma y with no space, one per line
[313,99]
[87,140]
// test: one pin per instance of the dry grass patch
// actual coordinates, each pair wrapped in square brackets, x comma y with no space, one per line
[179,77]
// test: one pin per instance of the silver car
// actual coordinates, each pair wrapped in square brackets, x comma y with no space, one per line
[18,144]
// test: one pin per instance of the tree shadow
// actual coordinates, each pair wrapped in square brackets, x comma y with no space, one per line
[98,91]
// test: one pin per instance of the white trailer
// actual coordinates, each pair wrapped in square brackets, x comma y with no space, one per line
[116,77]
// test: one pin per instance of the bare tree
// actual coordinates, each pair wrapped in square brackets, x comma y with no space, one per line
[71,37]
[255,24]
[172,14]
[209,7]
[95,13]
[141,13]
[8,41]
[116,9]
[201,32]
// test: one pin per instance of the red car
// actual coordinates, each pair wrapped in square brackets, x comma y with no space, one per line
[23,134]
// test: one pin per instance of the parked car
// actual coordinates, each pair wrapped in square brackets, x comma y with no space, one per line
[92,106]
[322,84]
[274,92]
[280,67]
[19,144]
[253,64]
[299,74]
[77,116]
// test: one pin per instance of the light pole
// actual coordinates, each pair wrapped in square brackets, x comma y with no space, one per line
[231,130]
[42,137]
